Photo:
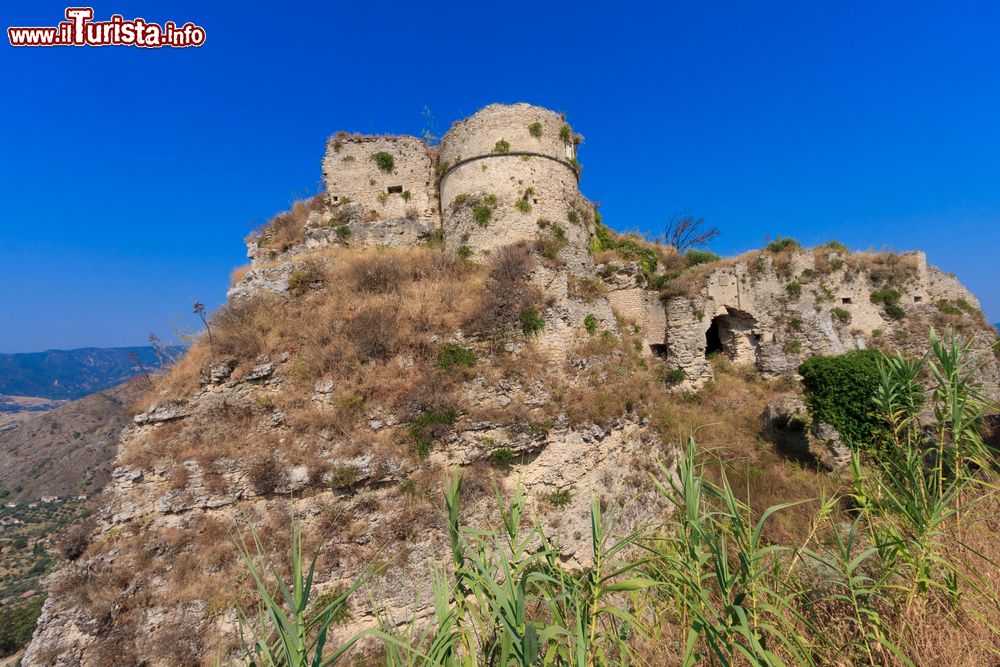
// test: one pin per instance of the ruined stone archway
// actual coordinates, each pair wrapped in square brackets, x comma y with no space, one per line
[735,334]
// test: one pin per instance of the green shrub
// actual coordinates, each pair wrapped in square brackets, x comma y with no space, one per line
[566,133]
[535,129]
[841,315]
[385,161]
[460,199]
[590,323]
[781,244]
[947,308]
[839,391]
[429,426]
[531,322]
[889,298]
[502,147]
[560,498]
[502,458]
[343,232]
[675,375]
[482,215]
[795,324]
[694,257]
[452,355]
[794,289]
[885,295]
[894,311]
[344,476]
[573,162]
[523,206]
[573,217]
[464,251]
[792,346]
[406,195]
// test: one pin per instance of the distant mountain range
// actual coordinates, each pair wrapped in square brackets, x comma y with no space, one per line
[73,374]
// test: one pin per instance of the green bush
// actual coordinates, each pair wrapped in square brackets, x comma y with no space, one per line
[523,206]
[894,311]
[573,217]
[889,298]
[794,289]
[343,232]
[384,161]
[675,375]
[429,426]
[560,498]
[464,251]
[840,390]
[792,346]
[590,323]
[531,322]
[841,315]
[694,257]
[566,133]
[502,458]
[502,147]
[781,244]
[482,215]
[453,355]
[535,129]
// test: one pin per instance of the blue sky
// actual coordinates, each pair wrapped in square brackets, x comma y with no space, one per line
[130,176]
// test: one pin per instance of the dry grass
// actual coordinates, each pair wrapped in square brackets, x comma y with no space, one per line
[884,268]
[287,229]
[239,273]
[368,323]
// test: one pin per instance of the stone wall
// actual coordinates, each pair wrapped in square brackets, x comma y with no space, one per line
[478,134]
[408,191]
[531,191]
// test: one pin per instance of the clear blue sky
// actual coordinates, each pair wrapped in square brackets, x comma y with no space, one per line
[130,176]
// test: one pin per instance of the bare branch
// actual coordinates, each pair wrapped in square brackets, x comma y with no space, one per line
[684,231]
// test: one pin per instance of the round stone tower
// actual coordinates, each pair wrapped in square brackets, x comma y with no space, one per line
[509,174]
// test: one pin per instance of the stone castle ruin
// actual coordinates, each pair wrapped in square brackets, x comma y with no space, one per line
[307,425]
[509,173]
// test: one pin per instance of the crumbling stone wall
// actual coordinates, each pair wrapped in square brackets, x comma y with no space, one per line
[528,183]
[351,174]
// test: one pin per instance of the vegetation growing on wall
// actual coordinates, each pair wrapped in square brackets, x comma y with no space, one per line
[839,391]
[384,161]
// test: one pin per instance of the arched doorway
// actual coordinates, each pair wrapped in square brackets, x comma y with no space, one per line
[735,334]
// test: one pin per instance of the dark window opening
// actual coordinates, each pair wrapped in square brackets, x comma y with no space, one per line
[536,201]
[395,189]
[427,182]
[917,298]
[712,339]
[846,299]
[336,198]
[658,349]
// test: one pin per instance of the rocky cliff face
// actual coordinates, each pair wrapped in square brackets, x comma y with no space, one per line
[356,363]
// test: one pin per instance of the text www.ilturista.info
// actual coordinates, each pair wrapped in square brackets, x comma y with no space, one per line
[79,29]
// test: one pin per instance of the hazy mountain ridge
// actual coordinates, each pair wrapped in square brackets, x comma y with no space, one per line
[73,374]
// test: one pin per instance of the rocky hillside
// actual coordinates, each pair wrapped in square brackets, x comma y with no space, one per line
[353,365]
[66,451]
